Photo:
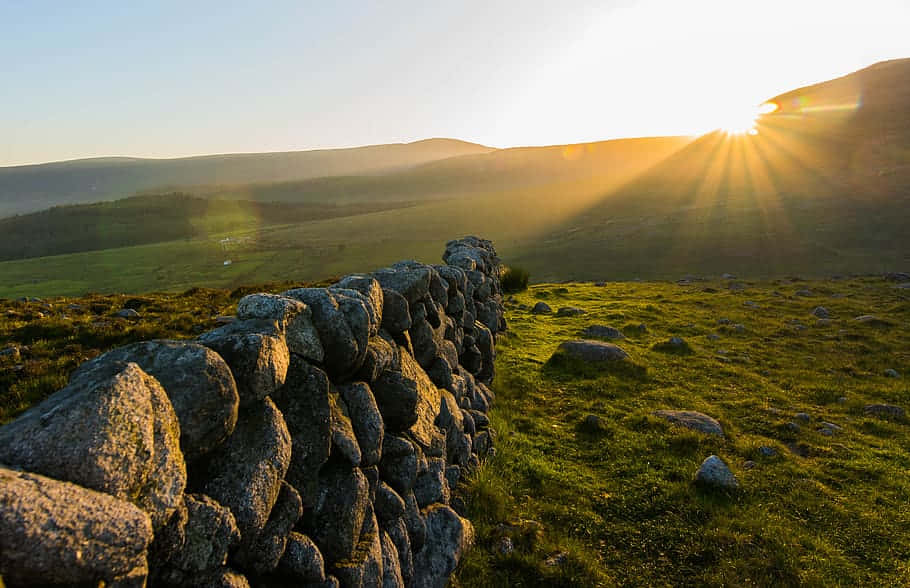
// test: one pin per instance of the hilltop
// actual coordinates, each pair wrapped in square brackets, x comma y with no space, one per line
[30,188]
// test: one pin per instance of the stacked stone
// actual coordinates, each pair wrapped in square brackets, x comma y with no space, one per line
[315,441]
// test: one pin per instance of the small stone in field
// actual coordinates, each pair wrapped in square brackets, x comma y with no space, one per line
[541,308]
[714,473]
[892,373]
[766,451]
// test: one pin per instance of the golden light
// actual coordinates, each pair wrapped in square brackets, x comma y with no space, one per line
[742,121]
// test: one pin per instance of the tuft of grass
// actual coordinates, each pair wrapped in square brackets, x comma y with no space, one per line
[514,279]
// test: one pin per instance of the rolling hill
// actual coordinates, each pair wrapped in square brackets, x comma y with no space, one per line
[822,188]
[30,188]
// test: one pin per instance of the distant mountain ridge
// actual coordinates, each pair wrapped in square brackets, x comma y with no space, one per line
[36,187]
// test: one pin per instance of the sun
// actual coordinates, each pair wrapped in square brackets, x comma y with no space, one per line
[741,121]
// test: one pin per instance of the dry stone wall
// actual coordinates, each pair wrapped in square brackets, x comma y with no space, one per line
[317,440]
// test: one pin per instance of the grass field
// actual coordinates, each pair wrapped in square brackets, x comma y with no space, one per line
[618,505]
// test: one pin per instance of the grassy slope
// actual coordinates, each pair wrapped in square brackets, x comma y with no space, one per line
[141,220]
[30,188]
[620,503]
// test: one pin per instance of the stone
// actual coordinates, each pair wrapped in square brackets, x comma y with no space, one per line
[892,373]
[256,353]
[431,486]
[802,417]
[366,420]
[388,505]
[302,560]
[245,473]
[829,429]
[294,318]
[408,278]
[398,466]
[408,400]
[398,533]
[414,521]
[821,312]
[305,403]
[382,354]
[593,423]
[391,564]
[570,311]
[210,532]
[344,442]
[127,313]
[602,332]
[111,429]
[343,322]
[338,514]
[372,292]
[88,536]
[262,553]
[541,308]
[766,451]
[222,578]
[11,354]
[448,538]
[592,351]
[884,411]
[714,473]
[396,316]
[198,383]
[364,567]
[694,420]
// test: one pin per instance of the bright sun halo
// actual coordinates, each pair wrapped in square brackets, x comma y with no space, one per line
[742,121]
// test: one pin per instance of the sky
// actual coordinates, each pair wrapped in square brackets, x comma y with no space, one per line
[170,78]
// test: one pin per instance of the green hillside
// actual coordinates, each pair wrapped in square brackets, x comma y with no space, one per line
[148,219]
[29,188]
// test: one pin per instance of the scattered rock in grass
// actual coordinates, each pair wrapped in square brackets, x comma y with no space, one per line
[803,417]
[673,345]
[842,400]
[803,293]
[593,423]
[642,328]
[10,354]
[728,277]
[541,308]
[713,336]
[766,451]
[570,311]
[892,373]
[884,411]
[505,546]
[603,332]
[897,277]
[792,427]
[736,286]
[593,351]
[824,322]
[869,319]
[556,559]
[714,473]
[724,321]
[829,429]
[821,312]
[800,449]
[739,328]
[127,313]
[751,304]
[600,284]
[748,465]
[691,419]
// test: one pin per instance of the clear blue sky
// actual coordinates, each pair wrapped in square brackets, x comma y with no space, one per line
[166,78]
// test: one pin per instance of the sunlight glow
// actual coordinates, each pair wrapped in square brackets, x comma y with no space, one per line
[743,121]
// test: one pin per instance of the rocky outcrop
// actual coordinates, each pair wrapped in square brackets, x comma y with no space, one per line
[315,440]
